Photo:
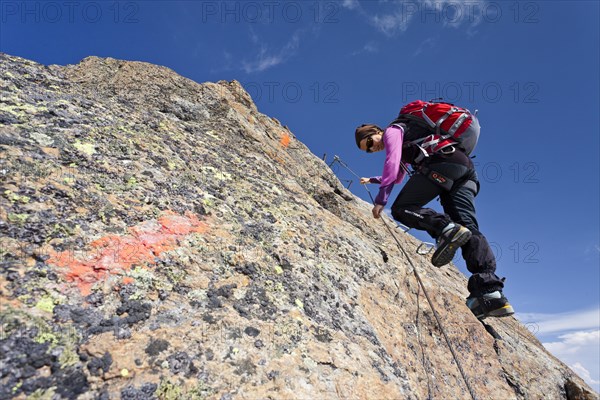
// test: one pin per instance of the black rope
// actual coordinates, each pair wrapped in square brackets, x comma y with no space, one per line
[429,390]
[435,314]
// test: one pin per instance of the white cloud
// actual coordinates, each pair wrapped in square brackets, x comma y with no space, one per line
[455,13]
[572,343]
[591,253]
[584,373]
[427,43]
[581,352]
[350,4]
[370,48]
[265,59]
[254,37]
[573,337]
[390,24]
[562,322]
[399,15]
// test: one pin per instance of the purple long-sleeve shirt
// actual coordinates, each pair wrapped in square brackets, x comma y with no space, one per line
[392,172]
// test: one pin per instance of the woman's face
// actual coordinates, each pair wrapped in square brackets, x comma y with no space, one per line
[372,144]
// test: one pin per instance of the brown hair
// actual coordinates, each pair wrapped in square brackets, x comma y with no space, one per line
[364,131]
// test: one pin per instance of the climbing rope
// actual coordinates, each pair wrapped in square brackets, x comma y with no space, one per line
[416,273]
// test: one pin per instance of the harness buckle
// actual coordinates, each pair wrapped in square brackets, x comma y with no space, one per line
[447,150]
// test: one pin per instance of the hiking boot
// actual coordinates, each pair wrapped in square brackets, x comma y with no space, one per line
[453,236]
[490,305]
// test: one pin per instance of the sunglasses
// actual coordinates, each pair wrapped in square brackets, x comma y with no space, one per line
[369,144]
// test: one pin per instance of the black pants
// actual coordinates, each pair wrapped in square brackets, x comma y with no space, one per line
[457,187]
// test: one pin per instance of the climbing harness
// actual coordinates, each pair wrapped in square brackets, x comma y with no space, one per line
[418,277]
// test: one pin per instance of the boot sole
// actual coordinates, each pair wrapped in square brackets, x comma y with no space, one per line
[445,256]
[501,312]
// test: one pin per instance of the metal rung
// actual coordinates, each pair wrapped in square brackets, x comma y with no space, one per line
[403,227]
[425,248]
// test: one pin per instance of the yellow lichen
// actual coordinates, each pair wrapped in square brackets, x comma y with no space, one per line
[46,337]
[45,304]
[18,218]
[86,148]
[43,394]
[15,197]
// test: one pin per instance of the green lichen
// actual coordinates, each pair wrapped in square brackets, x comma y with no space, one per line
[12,110]
[58,337]
[24,298]
[275,190]
[43,394]
[20,109]
[17,387]
[69,355]
[131,182]
[162,125]
[213,173]
[300,304]
[200,392]
[212,134]
[47,337]
[276,293]
[42,139]
[46,303]
[63,229]
[126,129]
[175,275]
[143,277]
[9,194]
[86,148]
[146,280]
[169,391]
[197,294]
[19,219]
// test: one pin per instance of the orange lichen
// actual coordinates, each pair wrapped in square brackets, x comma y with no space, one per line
[285,140]
[127,280]
[115,254]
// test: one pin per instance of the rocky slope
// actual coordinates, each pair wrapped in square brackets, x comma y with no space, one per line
[163,239]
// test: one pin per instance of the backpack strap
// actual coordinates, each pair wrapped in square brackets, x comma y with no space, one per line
[439,122]
[422,152]
[457,124]
[399,125]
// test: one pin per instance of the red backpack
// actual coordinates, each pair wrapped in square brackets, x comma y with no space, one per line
[436,125]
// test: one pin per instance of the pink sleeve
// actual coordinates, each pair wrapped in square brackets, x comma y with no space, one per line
[392,173]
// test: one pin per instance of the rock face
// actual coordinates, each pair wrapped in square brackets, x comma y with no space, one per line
[163,239]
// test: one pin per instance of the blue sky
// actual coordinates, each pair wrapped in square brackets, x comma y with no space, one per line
[531,68]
